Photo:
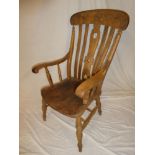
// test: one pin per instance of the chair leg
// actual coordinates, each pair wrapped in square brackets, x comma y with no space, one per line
[98,103]
[79,133]
[44,109]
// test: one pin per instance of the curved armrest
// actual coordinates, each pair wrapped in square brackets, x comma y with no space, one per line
[36,68]
[90,83]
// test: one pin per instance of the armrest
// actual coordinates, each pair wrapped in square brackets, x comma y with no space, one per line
[90,83]
[37,67]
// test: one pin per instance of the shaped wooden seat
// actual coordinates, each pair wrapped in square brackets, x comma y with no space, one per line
[62,98]
[99,32]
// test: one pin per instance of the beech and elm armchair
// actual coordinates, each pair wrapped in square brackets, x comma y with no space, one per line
[73,95]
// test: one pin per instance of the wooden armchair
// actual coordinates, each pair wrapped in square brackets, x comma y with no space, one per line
[73,95]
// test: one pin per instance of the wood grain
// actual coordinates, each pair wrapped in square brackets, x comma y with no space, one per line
[115,18]
[59,72]
[48,76]
[100,51]
[70,53]
[83,50]
[89,59]
[77,52]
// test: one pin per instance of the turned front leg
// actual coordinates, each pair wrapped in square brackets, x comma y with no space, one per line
[79,133]
[44,109]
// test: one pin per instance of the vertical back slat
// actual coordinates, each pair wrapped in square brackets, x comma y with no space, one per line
[59,72]
[70,53]
[83,50]
[77,51]
[89,60]
[105,50]
[110,55]
[100,51]
[113,47]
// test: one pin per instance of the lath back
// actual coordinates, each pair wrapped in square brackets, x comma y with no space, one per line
[105,26]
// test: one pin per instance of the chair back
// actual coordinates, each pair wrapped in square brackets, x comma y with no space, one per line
[99,32]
